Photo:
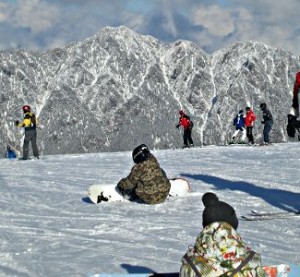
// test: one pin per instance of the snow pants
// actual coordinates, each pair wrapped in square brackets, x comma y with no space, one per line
[250,134]
[30,136]
[267,130]
[293,125]
[187,137]
[239,135]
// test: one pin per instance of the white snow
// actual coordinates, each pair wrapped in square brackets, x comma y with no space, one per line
[48,228]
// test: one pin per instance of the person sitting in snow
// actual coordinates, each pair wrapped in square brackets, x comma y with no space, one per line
[293,116]
[239,123]
[249,121]
[187,125]
[219,250]
[147,181]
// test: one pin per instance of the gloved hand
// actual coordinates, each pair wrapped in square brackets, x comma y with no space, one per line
[119,190]
[177,126]
[262,122]
[291,118]
[17,122]
[294,112]
[126,193]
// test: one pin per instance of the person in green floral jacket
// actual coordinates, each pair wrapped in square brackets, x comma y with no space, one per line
[219,250]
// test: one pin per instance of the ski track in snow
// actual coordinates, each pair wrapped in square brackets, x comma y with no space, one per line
[48,228]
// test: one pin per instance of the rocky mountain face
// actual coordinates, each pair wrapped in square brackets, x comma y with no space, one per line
[118,89]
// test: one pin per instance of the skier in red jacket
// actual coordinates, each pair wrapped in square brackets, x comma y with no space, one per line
[249,120]
[296,95]
[187,126]
[293,122]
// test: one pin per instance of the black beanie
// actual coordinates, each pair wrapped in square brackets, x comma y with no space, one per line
[217,211]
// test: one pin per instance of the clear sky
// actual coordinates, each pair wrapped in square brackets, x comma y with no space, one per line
[211,24]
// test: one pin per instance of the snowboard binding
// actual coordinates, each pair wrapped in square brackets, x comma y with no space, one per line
[101,198]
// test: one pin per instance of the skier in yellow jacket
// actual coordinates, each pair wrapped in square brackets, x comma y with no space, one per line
[29,124]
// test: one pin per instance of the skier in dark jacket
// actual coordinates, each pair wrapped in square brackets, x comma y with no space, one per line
[187,125]
[293,116]
[267,121]
[29,124]
[147,181]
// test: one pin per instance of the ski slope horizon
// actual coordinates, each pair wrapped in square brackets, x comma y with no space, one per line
[49,228]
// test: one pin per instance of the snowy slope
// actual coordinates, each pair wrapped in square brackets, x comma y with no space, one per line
[48,228]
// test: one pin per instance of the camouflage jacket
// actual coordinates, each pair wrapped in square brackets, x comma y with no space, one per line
[147,181]
[219,250]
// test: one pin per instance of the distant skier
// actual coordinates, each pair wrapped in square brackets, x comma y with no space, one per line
[219,250]
[249,121]
[187,125]
[239,123]
[147,181]
[293,116]
[29,124]
[10,153]
[267,121]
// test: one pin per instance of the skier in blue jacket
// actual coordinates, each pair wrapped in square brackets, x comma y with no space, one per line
[239,123]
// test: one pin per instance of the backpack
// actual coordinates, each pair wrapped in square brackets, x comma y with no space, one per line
[191,124]
[33,121]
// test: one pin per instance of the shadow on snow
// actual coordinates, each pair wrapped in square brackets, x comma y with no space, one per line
[136,269]
[285,200]
[87,200]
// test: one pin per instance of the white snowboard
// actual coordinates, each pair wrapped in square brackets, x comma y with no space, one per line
[109,193]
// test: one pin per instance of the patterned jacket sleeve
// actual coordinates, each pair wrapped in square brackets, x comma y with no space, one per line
[128,182]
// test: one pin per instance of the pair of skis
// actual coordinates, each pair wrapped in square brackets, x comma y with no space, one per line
[258,216]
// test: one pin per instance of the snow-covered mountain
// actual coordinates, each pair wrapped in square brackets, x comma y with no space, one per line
[118,89]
